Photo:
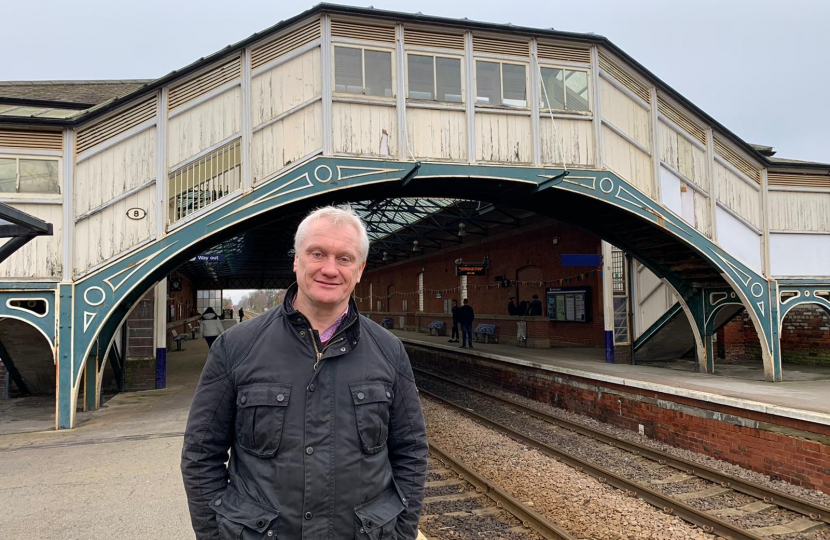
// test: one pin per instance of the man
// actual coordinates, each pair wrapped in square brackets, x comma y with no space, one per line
[467,316]
[318,407]
[511,306]
[455,321]
[535,309]
[241,314]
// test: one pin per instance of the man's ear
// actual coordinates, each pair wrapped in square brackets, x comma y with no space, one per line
[295,262]
[360,271]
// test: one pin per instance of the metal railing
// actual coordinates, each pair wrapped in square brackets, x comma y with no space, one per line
[204,181]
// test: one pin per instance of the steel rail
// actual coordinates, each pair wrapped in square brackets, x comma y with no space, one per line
[528,517]
[768,495]
[709,523]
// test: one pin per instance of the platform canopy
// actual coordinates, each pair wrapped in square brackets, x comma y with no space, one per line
[399,229]
[18,228]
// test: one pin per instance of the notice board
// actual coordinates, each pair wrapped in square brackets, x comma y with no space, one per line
[569,304]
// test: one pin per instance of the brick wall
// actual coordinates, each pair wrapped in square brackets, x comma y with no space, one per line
[805,338]
[524,254]
[791,450]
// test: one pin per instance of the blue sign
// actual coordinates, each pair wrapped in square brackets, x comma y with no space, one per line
[210,258]
[580,259]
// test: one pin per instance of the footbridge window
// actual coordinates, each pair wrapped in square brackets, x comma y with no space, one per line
[565,90]
[205,180]
[363,71]
[209,298]
[436,78]
[29,175]
[501,84]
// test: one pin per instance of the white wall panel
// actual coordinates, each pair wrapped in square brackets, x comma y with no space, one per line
[114,171]
[625,114]
[653,300]
[365,130]
[799,211]
[628,161]
[437,134]
[739,196]
[284,142]
[203,126]
[503,138]
[286,86]
[41,257]
[573,137]
[684,157]
[800,255]
[739,240]
[110,232]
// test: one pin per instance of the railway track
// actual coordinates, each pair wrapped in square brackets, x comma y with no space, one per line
[695,493]
[460,504]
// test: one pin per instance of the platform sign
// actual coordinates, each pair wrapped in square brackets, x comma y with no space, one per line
[210,258]
[470,270]
[569,304]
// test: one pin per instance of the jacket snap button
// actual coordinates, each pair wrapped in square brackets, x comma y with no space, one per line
[302,333]
[280,397]
[270,533]
[361,530]
[343,349]
[361,395]
[218,502]
[243,399]
[312,387]
[309,450]
[308,515]
[388,394]
[260,523]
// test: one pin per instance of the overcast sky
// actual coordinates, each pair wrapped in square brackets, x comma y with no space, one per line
[757,66]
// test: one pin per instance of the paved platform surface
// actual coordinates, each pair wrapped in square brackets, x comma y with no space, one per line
[803,399]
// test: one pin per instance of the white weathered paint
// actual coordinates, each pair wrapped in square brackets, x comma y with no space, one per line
[437,134]
[800,255]
[653,299]
[739,240]
[204,126]
[115,171]
[286,86]
[683,156]
[741,198]
[625,114]
[41,257]
[284,142]
[799,211]
[627,161]
[110,232]
[359,129]
[575,138]
[503,138]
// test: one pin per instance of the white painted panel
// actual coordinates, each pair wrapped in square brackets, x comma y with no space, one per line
[114,171]
[687,198]
[286,86]
[282,143]
[365,130]
[670,191]
[627,161]
[738,195]
[797,211]
[43,256]
[204,126]
[625,114]
[503,138]
[684,157]
[111,232]
[573,137]
[799,255]
[702,221]
[437,134]
[653,300]
[739,240]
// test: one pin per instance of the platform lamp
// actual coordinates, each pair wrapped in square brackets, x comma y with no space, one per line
[415,246]
[385,256]
[461,232]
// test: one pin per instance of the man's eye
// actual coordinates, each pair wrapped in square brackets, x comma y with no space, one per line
[345,260]
[317,254]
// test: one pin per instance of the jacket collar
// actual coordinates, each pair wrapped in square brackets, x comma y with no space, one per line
[297,318]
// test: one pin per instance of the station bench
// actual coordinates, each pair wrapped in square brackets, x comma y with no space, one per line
[178,339]
[439,327]
[484,332]
[192,330]
[386,323]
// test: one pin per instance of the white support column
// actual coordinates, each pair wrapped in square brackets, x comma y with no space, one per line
[469,72]
[161,164]
[327,74]
[608,300]
[655,143]
[68,224]
[535,82]
[247,129]
[160,332]
[765,214]
[597,121]
[400,81]
[713,186]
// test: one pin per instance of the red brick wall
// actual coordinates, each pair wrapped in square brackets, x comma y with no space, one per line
[525,252]
[791,450]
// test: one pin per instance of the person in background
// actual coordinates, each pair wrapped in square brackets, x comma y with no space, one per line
[241,314]
[210,326]
[467,316]
[523,308]
[535,309]
[511,306]
[455,321]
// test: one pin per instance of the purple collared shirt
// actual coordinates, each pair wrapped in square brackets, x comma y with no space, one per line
[329,332]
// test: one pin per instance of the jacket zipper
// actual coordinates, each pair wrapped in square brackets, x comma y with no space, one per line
[329,344]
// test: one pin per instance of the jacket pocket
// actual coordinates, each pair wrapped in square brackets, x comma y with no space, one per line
[371,407]
[239,517]
[260,413]
[376,519]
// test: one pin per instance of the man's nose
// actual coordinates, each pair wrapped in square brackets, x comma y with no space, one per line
[329,267]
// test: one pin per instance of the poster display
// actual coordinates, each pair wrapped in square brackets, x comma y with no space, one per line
[569,304]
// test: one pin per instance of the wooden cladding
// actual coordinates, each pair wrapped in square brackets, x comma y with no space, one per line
[363,32]
[420,38]
[799,180]
[286,43]
[734,159]
[562,52]
[624,78]
[115,125]
[675,115]
[500,46]
[35,140]
[203,84]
